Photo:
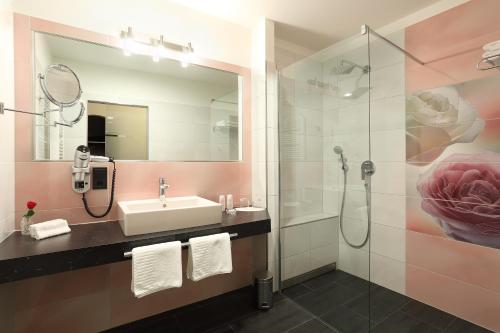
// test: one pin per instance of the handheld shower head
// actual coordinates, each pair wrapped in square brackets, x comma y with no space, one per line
[339,151]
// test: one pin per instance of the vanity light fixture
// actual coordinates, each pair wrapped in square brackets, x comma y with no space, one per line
[187,55]
[127,38]
[156,48]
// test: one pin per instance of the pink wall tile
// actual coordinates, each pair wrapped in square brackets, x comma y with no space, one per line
[470,263]
[23,86]
[452,54]
[470,302]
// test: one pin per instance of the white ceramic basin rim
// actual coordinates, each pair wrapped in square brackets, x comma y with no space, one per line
[147,216]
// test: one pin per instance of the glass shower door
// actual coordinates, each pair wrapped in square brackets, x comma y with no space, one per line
[324,138]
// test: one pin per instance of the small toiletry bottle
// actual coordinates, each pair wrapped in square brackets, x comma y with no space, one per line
[222,201]
[229,204]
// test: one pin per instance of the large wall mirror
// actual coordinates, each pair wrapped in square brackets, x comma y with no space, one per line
[136,108]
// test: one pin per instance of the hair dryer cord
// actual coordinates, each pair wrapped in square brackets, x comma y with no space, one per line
[110,205]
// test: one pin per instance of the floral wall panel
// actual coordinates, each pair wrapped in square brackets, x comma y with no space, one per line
[453,156]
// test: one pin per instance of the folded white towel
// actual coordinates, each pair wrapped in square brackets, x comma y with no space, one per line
[156,267]
[208,256]
[48,229]
[493,46]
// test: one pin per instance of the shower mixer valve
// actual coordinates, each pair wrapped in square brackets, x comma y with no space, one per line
[367,170]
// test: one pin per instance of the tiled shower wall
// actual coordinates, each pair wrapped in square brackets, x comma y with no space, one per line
[6,124]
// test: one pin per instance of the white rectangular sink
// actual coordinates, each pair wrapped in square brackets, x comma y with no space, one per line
[147,216]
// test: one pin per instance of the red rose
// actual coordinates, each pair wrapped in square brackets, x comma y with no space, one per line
[463,193]
[31,204]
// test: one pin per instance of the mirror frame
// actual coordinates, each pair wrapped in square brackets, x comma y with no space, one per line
[24,29]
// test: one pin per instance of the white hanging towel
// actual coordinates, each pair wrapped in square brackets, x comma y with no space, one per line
[208,256]
[156,267]
[49,229]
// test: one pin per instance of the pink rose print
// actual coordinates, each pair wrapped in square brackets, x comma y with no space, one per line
[463,193]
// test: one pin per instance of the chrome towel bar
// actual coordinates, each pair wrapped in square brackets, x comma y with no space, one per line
[183,244]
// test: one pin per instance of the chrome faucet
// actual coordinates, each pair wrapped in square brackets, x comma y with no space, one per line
[163,190]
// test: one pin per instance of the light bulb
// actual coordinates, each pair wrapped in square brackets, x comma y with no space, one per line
[127,38]
[187,56]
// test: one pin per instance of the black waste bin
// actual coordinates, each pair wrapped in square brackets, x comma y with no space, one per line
[264,290]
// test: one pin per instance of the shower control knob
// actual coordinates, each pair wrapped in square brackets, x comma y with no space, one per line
[367,169]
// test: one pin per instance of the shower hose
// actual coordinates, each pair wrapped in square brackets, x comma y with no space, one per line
[368,211]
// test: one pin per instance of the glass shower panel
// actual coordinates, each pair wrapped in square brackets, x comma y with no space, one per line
[387,131]
[324,137]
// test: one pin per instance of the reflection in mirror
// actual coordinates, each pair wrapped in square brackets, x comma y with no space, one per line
[137,109]
[118,130]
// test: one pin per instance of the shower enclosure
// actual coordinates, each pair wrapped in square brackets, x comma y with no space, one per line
[390,177]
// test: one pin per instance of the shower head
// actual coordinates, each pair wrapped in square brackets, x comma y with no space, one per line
[346,67]
[353,94]
[338,150]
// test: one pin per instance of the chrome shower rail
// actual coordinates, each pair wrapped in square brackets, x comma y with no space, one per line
[365,29]
[183,244]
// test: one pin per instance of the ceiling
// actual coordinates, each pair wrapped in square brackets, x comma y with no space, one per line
[313,24]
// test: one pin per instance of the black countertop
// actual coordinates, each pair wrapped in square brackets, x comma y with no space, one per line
[93,244]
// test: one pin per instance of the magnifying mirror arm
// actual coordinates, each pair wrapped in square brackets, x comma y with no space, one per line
[74,121]
[3,109]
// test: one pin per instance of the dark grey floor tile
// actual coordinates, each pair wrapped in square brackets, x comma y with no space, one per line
[325,279]
[282,317]
[277,296]
[325,299]
[400,322]
[312,326]
[462,326]
[221,329]
[382,302]
[219,311]
[353,281]
[296,291]
[428,314]
[345,320]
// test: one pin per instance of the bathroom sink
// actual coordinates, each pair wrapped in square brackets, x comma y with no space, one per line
[147,216]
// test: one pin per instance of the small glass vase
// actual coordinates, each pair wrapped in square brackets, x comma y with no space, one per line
[25,225]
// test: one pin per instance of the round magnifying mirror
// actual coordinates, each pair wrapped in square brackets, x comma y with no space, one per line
[61,85]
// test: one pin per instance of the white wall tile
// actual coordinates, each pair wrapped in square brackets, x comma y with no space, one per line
[389,178]
[388,241]
[355,231]
[389,209]
[296,240]
[273,245]
[388,81]
[296,265]
[353,261]
[7,169]
[322,256]
[388,272]
[323,233]
[388,145]
[388,113]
